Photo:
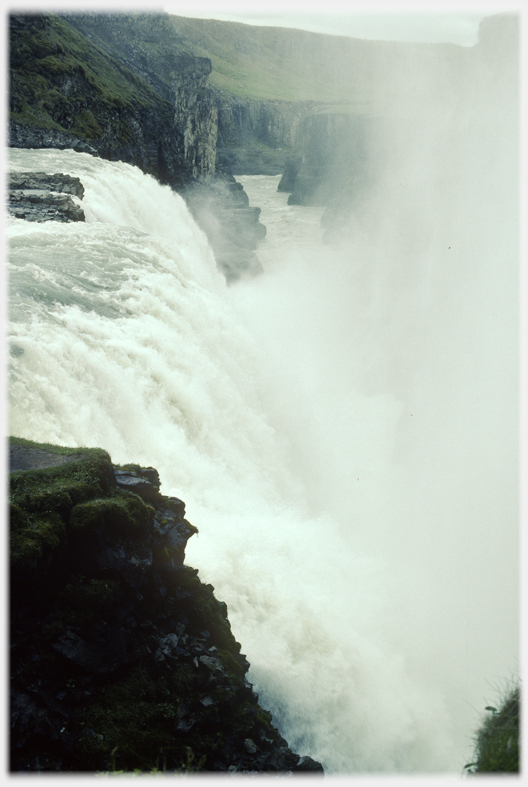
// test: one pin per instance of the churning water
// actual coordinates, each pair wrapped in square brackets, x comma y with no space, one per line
[343,429]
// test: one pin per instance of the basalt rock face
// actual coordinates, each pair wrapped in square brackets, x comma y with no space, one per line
[67,92]
[256,137]
[147,45]
[37,196]
[123,87]
[121,658]
[334,151]
[221,208]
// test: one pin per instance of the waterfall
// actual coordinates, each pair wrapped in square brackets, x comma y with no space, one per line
[350,516]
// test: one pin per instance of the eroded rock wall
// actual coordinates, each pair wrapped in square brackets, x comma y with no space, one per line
[256,137]
[65,91]
[121,658]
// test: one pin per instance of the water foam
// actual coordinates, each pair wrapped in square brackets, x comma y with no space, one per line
[252,404]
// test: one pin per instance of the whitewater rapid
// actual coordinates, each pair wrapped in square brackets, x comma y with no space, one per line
[354,575]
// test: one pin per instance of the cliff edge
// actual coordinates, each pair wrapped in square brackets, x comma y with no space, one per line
[121,658]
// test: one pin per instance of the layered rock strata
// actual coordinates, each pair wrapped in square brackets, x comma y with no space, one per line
[334,152]
[37,196]
[121,658]
[119,86]
[257,137]
[66,92]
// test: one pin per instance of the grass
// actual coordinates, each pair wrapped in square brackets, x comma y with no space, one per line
[43,58]
[267,64]
[497,742]
[41,500]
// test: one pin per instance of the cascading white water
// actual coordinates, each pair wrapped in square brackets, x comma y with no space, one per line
[342,429]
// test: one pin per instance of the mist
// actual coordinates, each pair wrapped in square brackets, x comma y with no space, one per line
[343,428]
[390,365]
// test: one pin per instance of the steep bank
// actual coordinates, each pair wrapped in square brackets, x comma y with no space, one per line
[66,91]
[334,151]
[253,132]
[121,658]
[269,81]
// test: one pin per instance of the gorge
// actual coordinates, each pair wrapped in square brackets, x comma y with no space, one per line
[343,426]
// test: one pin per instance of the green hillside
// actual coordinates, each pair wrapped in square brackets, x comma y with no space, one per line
[283,64]
[269,63]
[46,57]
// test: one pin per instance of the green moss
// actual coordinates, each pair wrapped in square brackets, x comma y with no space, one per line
[135,718]
[164,555]
[60,450]
[81,601]
[123,512]
[34,540]
[85,123]
[42,58]
[233,667]
[41,501]
[125,134]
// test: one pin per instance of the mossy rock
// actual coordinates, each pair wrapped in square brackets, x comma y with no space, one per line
[82,601]
[48,49]
[133,721]
[41,499]
[36,542]
[124,513]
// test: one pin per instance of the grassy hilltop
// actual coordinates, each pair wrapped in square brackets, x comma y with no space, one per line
[282,64]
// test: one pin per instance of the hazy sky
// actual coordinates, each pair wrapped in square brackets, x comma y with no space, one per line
[429,21]
[374,21]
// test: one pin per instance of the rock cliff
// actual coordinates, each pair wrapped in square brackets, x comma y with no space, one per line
[64,91]
[257,137]
[333,152]
[119,86]
[121,658]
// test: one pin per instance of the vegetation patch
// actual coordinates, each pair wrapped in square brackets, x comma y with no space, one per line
[498,739]
[82,601]
[34,540]
[123,513]
[41,500]
[59,80]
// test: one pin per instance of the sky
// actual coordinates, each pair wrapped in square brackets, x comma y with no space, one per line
[372,22]
[432,21]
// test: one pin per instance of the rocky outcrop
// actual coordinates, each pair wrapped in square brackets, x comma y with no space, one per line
[24,136]
[37,196]
[221,208]
[66,92]
[196,115]
[256,137]
[120,86]
[147,45]
[121,658]
[334,150]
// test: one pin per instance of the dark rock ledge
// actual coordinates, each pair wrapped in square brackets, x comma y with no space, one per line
[221,209]
[37,196]
[121,658]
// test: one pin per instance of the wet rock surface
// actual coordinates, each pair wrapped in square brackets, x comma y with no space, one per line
[37,196]
[121,658]
[221,208]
